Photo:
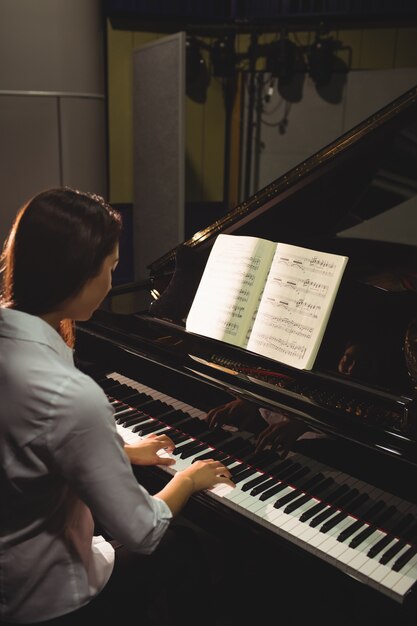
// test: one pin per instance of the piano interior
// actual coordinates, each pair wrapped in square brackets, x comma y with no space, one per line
[335,523]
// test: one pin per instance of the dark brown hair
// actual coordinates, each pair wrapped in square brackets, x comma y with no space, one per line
[58,241]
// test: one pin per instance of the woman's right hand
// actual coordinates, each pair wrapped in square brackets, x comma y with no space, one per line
[200,475]
[206,474]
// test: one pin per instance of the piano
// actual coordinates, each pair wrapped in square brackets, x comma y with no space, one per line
[329,532]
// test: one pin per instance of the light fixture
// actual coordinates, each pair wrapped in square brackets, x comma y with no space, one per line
[196,73]
[281,59]
[223,57]
[321,61]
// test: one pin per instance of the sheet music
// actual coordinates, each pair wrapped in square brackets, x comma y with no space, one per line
[229,288]
[296,304]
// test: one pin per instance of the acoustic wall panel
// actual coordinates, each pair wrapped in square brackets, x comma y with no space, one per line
[29,152]
[159,145]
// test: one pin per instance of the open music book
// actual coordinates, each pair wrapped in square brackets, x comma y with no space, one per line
[273,299]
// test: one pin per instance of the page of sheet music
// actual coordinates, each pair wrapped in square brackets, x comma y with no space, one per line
[234,275]
[296,304]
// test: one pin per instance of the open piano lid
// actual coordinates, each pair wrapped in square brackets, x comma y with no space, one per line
[362,385]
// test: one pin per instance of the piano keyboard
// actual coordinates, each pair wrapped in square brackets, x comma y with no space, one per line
[366,532]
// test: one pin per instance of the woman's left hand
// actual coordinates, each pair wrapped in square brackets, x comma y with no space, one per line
[145,451]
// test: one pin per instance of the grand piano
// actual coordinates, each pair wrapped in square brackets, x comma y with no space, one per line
[329,532]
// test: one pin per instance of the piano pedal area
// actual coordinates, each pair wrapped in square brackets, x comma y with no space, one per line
[295,540]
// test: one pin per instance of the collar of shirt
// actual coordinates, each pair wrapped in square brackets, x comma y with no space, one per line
[25,327]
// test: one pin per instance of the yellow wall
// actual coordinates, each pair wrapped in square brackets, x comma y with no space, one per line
[377,48]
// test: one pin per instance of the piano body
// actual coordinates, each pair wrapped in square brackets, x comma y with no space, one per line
[337,519]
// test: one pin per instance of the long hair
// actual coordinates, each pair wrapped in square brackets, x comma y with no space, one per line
[57,242]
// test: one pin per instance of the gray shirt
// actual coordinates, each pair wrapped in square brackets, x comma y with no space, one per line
[61,463]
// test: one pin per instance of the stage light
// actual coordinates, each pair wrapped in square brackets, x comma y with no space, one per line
[285,61]
[197,76]
[194,59]
[223,57]
[281,59]
[321,61]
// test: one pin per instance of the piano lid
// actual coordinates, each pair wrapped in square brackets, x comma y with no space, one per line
[365,172]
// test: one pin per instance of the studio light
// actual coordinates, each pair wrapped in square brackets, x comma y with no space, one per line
[223,57]
[285,62]
[194,59]
[321,61]
[197,75]
[281,59]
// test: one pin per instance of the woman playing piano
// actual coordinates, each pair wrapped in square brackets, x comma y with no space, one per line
[64,469]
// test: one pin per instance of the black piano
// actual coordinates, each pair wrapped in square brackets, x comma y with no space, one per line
[330,532]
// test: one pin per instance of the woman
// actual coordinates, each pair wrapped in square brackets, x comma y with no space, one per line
[64,468]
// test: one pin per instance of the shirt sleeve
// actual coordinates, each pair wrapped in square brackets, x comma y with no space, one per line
[89,453]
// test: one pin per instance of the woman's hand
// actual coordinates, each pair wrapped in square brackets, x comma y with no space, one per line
[145,451]
[207,473]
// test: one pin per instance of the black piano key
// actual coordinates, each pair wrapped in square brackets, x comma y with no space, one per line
[367,532]
[290,469]
[129,396]
[106,383]
[353,506]
[189,445]
[273,490]
[260,479]
[123,409]
[130,419]
[120,409]
[339,502]
[308,484]
[119,405]
[355,526]
[213,438]
[392,551]
[404,558]
[242,472]
[276,489]
[176,435]
[270,482]
[178,417]
[156,408]
[137,400]
[120,391]
[397,530]
[217,455]
[339,491]
[321,486]
[194,450]
[146,429]
[397,547]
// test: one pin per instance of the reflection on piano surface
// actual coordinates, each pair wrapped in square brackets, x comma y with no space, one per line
[341,509]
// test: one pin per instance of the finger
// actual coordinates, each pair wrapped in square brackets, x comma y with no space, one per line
[166,442]
[166,460]
[223,471]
